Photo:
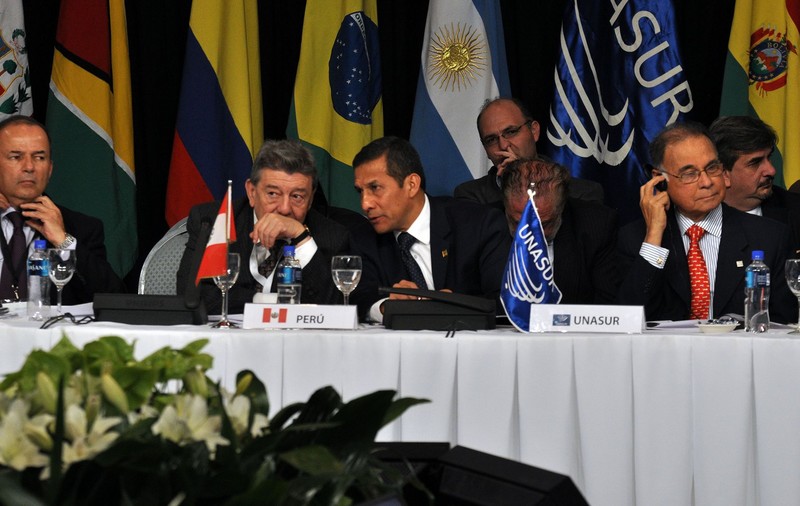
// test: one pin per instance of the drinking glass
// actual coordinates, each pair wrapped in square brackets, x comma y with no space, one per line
[793,280]
[224,283]
[62,267]
[346,272]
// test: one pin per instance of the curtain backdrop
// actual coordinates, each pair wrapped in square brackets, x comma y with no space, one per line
[157,32]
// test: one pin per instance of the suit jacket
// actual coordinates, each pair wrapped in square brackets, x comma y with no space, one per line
[318,288]
[584,267]
[93,273]
[469,249]
[666,293]
[485,190]
[784,206]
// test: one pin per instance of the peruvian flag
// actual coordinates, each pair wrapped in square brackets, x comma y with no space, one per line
[269,314]
[215,258]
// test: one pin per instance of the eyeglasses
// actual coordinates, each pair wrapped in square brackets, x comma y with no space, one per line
[508,133]
[69,316]
[690,176]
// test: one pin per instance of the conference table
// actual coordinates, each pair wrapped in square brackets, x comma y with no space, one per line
[672,417]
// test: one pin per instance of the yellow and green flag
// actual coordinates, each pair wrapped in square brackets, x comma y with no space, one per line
[762,75]
[90,120]
[337,107]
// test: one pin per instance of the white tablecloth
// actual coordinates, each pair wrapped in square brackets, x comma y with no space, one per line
[651,419]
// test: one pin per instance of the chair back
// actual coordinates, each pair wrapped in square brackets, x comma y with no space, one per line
[160,269]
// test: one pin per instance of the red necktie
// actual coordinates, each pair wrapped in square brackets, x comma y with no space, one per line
[698,275]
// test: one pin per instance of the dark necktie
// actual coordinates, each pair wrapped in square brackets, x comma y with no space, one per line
[267,265]
[698,275]
[16,265]
[405,241]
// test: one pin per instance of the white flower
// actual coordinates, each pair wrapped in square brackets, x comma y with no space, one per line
[16,450]
[84,443]
[187,421]
[238,411]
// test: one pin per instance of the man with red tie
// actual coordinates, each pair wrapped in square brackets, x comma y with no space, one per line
[686,258]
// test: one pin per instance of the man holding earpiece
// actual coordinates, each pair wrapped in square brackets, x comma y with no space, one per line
[437,243]
[686,258]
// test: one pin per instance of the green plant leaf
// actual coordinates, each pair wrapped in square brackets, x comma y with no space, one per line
[314,460]
[256,391]
[137,382]
[399,407]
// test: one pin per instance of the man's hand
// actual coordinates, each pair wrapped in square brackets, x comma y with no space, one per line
[274,226]
[508,156]
[654,206]
[45,217]
[403,284]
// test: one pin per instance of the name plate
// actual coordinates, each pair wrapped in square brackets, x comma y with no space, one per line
[299,316]
[586,318]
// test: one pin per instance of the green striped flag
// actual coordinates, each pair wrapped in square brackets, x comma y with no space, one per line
[337,108]
[762,75]
[90,122]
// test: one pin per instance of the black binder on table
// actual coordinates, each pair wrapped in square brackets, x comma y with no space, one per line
[437,311]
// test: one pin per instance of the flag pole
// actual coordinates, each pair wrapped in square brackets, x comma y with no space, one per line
[228,214]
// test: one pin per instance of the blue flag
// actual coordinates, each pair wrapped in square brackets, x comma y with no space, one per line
[463,65]
[618,82]
[528,278]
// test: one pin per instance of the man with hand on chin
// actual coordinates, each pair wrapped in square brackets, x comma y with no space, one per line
[28,214]
[686,258]
[276,212]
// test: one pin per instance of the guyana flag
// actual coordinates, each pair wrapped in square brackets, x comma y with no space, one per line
[90,122]
[336,107]
[762,75]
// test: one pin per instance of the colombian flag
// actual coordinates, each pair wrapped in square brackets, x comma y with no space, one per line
[220,119]
[90,122]
[762,75]
[337,108]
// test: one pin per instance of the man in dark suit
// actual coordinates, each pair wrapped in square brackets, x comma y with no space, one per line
[451,244]
[581,235]
[277,212]
[654,252]
[508,132]
[28,214]
[745,144]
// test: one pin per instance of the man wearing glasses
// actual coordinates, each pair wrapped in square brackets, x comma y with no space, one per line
[745,145]
[686,259]
[508,132]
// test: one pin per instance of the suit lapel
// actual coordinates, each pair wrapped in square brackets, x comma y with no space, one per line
[440,244]
[731,261]
[566,270]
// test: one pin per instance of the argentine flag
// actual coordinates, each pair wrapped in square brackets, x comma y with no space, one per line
[463,65]
[528,278]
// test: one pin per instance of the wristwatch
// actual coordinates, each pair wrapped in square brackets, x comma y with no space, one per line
[68,241]
[301,237]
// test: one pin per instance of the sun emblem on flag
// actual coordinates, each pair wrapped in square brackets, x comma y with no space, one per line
[457,56]
[768,56]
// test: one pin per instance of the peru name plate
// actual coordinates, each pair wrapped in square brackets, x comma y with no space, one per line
[299,316]
[586,318]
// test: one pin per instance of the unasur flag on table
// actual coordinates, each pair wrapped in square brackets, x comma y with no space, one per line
[336,107]
[618,82]
[463,65]
[90,121]
[528,278]
[15,76]
[220,123]
[223,232]
[762,75]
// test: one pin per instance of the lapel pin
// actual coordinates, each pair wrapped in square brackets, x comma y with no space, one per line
[444,253]
[739,263]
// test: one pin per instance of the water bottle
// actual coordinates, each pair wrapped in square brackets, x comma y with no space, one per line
[39,282]
[290,277]
[756,295]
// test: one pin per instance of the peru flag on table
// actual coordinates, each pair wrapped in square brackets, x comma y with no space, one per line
[215,258]
[220,120]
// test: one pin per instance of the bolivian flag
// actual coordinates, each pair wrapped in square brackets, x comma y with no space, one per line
[762,75]
[90,122]
[337,108]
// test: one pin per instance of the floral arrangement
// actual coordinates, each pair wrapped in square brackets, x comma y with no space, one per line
[96,426]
